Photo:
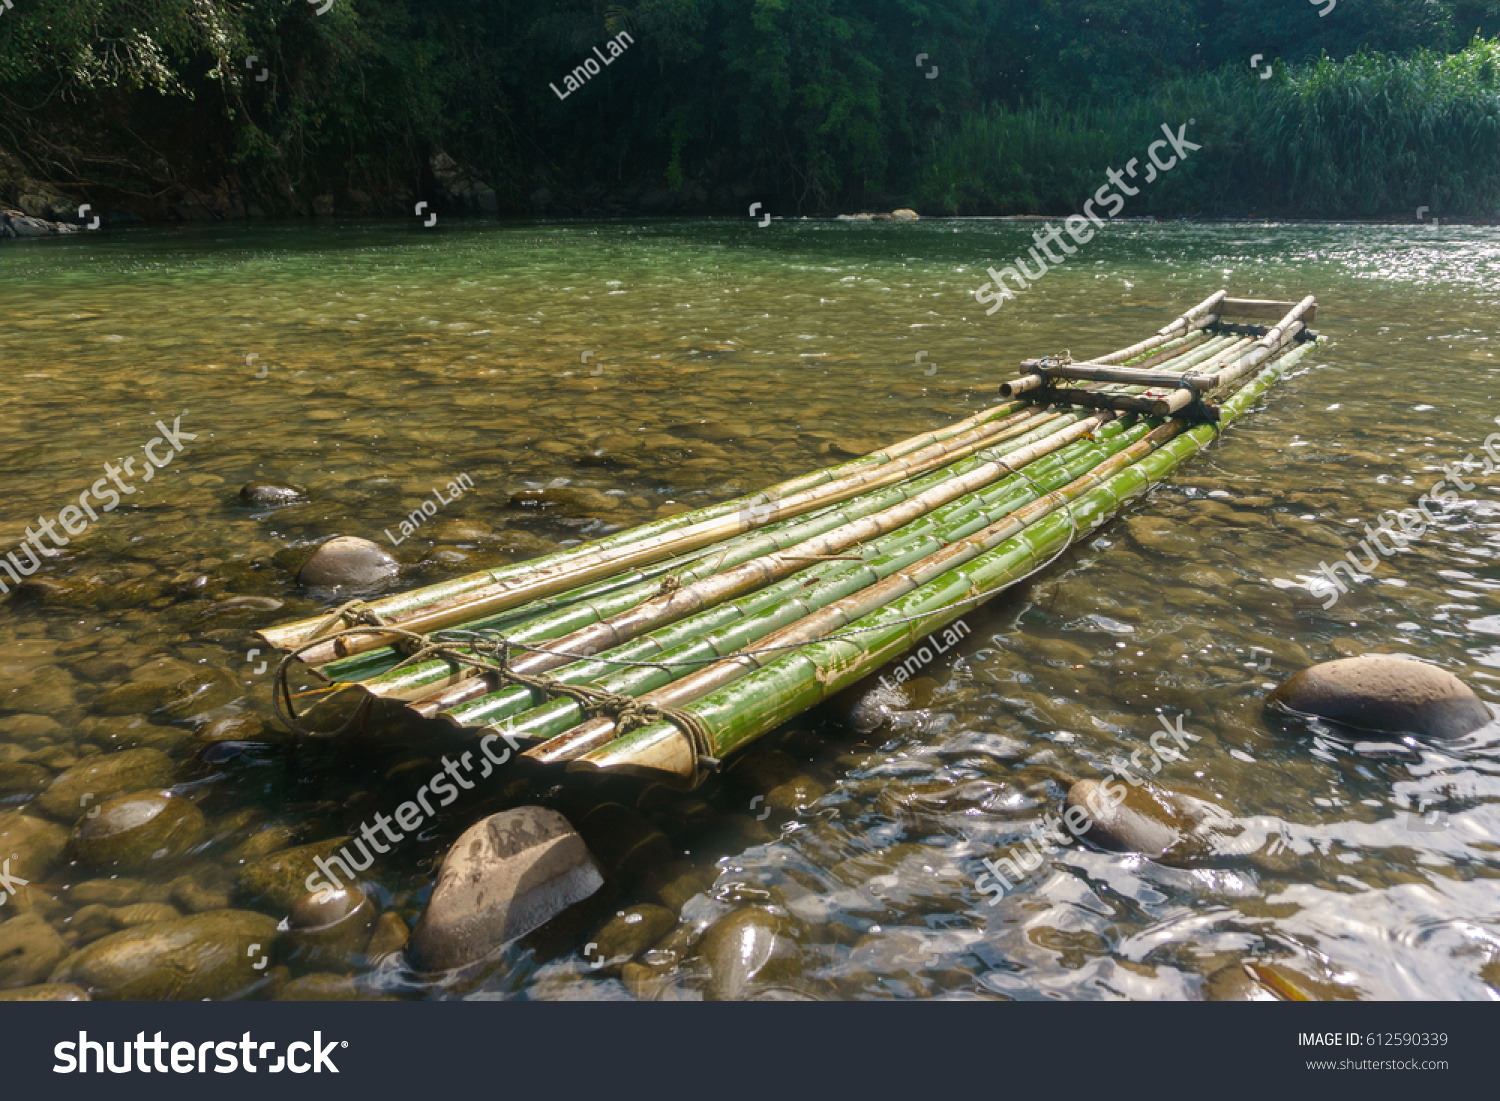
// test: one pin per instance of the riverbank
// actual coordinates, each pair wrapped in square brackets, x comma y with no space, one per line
[16,225]
[1372,136]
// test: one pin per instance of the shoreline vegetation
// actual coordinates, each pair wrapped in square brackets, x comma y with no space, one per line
[196,110]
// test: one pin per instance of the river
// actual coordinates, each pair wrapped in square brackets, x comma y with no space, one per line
[677,363]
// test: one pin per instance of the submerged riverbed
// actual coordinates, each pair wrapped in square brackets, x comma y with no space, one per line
[652,367]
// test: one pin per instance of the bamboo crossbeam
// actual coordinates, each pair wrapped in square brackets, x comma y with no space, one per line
[1136,400]
[1098,372]
[1175,354]
[1258,309]
[1192,384]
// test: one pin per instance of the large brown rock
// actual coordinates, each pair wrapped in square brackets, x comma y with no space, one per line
[507,875]
[1148,819]
[85,785]
[138,831]
[29,846]
[347,564]
[29,950]
[746,949]
[212,955]
[1386,694]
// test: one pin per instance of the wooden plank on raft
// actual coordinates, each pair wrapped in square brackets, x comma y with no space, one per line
[1262,309]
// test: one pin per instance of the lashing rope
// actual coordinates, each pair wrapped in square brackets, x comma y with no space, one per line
[489,651]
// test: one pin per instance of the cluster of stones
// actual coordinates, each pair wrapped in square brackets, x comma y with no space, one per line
[141,930]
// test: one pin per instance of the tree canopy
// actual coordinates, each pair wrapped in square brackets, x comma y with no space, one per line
[816,102]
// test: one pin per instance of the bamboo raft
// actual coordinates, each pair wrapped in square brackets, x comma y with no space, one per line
[659,650]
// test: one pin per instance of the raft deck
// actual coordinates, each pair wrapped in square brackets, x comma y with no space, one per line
[662,649]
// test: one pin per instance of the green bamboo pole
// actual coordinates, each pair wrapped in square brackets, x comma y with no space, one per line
[289,635]
[599,731]
[418,681]
[738,623]
[553,616]
[759,701]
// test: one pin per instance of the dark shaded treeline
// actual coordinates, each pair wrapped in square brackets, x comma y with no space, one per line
[153,106]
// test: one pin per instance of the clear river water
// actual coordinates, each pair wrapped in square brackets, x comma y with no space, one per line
[678,363]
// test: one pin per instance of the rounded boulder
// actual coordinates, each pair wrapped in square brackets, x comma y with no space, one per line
[746,949]
[262,494]
[347,563]
[138,831]
[505,876]
[1384,694]
[1121,818]
[329,928]
[210,955]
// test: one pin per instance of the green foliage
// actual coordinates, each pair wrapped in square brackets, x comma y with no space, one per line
[807,104]
[1376,135]
[1369,136]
